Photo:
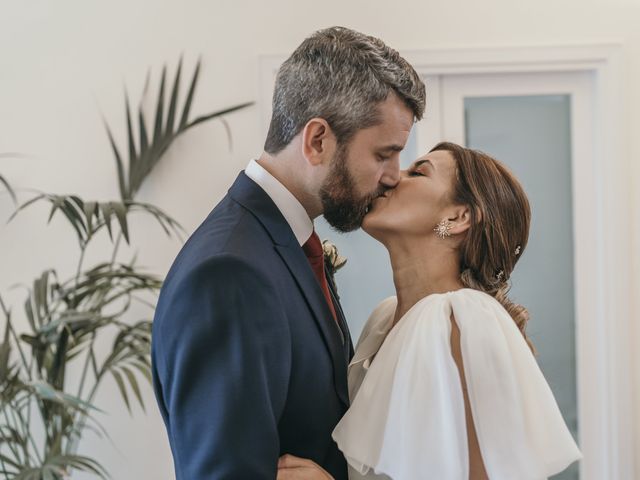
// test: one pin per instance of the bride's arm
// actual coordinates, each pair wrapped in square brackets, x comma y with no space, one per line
[476,465]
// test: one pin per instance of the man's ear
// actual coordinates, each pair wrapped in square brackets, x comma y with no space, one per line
[460,219]
[318,141]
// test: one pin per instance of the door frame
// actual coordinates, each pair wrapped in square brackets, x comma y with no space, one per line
[604,334]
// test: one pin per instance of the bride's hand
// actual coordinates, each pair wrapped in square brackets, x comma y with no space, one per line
[295,468]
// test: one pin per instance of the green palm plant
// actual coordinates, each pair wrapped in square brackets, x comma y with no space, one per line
[145,152]
[66,318]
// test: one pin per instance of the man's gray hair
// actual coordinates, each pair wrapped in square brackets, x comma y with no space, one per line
[339,75]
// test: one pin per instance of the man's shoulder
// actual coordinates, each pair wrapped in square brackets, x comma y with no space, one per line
[218,275]
[229,231]
[227,224]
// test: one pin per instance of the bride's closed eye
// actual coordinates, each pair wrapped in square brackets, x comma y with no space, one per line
[415,173]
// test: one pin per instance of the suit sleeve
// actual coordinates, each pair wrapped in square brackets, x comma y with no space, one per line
[223,358]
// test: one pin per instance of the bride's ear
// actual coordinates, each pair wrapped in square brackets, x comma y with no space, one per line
[460,219]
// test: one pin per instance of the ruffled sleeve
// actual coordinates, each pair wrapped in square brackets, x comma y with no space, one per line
[372,336]
[407,419]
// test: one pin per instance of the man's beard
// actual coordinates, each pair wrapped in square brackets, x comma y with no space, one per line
[343,209]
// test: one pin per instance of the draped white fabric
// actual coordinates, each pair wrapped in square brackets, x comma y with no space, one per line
[407,418]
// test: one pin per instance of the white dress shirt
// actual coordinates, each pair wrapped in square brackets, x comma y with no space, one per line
[291,209]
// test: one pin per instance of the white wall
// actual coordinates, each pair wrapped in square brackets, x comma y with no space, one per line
[62,63]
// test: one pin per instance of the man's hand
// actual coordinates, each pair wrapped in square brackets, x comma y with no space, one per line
[294,468]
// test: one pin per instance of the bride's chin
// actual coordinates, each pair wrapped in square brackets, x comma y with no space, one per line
[368,221]
[371,225]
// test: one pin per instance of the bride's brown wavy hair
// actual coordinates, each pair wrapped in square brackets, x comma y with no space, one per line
[500,221]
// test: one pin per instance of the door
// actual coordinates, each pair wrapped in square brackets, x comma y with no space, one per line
[539,125]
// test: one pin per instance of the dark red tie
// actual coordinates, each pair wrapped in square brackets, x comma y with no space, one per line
[313,250]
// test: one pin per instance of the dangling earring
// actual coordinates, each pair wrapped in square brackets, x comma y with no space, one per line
[442,229]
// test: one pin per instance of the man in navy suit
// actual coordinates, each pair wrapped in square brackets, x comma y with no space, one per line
[250,346]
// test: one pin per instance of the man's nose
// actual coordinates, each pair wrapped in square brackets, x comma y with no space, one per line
[391,174]
[403,175]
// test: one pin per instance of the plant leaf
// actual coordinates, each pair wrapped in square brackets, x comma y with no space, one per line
[122,179]
[192,89]
[60,465]
[219,113]
[161,217]
[134,385]
[5,353]
[29,312]
[163,135]
[122,388]
[75,218]
[46,391]
[90,211]
[7,186]
[8,460]
[25,205]
[158,128]
[121,214]
[133,155]
[144,138]
[105,208]
[144,370]
[173,102]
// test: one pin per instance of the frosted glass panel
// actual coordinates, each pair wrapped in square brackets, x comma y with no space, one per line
[532,135]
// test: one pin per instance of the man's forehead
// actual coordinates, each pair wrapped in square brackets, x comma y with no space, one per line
[391,147]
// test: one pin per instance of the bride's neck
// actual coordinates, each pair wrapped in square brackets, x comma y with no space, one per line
[419,271]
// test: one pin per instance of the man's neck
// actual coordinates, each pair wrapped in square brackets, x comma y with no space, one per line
[287,171]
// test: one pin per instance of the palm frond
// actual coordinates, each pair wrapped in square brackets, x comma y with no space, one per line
[122,174]
[38,302]
[5,348]
[102,285]
[60,466]
[3,181]
[46,391]
[131,349]
[66,317]
[8,188]
[88,218]
[144,155]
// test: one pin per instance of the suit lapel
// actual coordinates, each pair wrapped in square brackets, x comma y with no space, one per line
[342,320]
[246,192]
[299,267]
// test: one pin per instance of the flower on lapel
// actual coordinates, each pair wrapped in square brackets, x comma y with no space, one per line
[332,259]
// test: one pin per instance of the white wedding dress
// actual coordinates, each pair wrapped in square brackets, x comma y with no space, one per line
[407,417]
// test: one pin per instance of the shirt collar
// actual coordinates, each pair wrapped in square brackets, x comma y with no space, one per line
[291,209]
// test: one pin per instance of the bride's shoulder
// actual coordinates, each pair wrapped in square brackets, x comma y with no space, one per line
[478,300]
[458,302]
[381,317]
[386,306]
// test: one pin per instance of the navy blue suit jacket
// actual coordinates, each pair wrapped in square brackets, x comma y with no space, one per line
[248,363]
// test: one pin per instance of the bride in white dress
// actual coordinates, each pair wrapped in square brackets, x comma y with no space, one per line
[444,384]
